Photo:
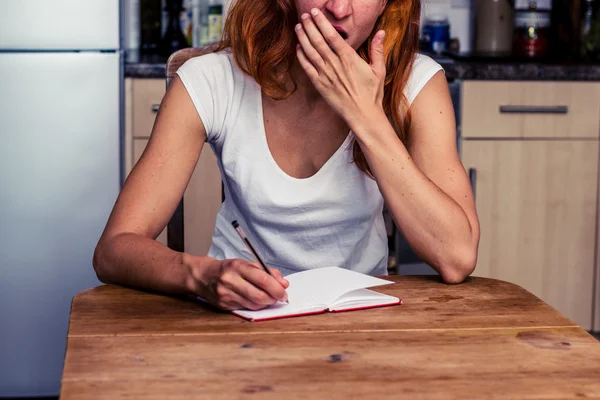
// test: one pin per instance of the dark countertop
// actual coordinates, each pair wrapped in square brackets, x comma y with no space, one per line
[147,66]
[456,68]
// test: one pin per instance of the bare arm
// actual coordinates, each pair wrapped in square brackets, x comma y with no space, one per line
[425,185]
[127,253]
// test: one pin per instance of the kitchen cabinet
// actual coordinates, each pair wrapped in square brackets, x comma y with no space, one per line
[531,150]
[202,197]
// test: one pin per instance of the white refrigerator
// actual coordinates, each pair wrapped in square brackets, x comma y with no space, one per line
[61,96]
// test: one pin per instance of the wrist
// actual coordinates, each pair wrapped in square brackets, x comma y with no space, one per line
[368,118]
[198,272]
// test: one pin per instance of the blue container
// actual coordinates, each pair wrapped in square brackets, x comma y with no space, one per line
[436,34]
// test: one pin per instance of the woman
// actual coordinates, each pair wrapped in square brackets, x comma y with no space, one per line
[317,111]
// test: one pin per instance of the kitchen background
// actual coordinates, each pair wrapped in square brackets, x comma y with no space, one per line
[78,101]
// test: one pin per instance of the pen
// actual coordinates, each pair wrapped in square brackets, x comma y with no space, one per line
[240,232]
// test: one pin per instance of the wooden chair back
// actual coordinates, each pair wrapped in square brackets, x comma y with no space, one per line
[175,227]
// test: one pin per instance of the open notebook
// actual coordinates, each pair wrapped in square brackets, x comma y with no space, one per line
[324,289]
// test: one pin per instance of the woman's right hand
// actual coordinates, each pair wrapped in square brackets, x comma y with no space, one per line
[235,284]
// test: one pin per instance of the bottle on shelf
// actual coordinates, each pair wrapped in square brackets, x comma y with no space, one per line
[173,38]
[215,21]
[196,23]
[590,31]
[435,35]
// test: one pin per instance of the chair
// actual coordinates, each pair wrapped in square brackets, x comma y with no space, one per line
[192,232]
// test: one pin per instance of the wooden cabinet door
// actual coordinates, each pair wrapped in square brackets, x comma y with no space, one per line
[536,202]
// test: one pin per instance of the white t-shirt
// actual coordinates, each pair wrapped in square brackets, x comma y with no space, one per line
[333,218]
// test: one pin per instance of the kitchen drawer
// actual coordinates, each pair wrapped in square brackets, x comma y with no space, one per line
[530,109]
[147,95]
[139,145]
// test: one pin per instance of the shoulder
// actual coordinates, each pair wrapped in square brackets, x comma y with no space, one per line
[211,82]
[423,69]
[215,64]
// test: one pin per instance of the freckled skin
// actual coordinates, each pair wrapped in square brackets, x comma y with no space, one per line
[356,17]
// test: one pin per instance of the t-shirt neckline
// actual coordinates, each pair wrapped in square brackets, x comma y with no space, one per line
[263,135]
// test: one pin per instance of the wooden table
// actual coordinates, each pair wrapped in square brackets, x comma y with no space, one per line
[483,339]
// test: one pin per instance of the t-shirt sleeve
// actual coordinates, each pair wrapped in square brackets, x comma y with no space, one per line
[207,79]
[424,68]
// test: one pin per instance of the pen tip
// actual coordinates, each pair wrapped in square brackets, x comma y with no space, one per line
[235,224]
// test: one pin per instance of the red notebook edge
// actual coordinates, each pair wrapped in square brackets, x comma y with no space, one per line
[281,316]
[318,312]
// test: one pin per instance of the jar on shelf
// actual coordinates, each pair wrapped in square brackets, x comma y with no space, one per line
[531,33]
[436,33]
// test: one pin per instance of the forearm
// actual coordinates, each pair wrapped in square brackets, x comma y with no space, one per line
[436,226]
[133,260]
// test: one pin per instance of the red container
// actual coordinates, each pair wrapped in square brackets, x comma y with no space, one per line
[531,33]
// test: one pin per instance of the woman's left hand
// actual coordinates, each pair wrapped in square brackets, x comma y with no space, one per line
[350,86]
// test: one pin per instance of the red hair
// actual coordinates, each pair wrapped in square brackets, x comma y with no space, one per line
[262,39]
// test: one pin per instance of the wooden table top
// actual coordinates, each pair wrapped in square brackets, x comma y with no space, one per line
[482,339]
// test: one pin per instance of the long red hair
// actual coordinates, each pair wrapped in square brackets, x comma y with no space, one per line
[261,36]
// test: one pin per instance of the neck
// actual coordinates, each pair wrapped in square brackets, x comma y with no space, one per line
[306,93]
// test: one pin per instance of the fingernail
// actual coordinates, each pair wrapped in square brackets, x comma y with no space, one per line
[304,16]
[314,11]
[298,27]
[381,36]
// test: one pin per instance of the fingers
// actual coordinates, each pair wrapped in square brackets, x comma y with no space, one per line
[306,64]
[254,297]
[314,37]
[309,50]
[241,284]
[284,282]
[377,56]
[328,32]
[230,300]
[265,282]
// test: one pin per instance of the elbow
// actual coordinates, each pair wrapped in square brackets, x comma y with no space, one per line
[459,267]
[99,261]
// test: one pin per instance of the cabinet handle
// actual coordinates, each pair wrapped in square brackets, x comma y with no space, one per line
[155,108]
[534,109]
[473,180]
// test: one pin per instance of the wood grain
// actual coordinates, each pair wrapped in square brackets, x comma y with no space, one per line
[536,202]
[427,304]
[557,363]
[481,117]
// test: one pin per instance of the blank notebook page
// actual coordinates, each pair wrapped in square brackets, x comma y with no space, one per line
[325,285]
